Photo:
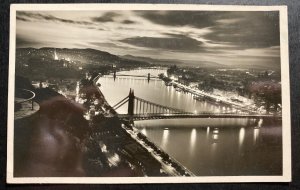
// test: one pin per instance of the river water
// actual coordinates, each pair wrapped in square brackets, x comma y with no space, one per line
[207,147]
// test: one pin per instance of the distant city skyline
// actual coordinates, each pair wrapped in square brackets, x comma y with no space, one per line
[229,38]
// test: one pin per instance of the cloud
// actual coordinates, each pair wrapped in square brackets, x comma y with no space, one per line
[229,20]
[128,22]
[232,38]
[112,17]
[255,30]
[198,19]
[173,43]
[27,16]
[242,30]
[101,44]
[22,19]
[24,42]
[107,17]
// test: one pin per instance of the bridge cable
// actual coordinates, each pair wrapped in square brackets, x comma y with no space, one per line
[120,102]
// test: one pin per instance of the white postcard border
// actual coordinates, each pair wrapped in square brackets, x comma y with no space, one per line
[286,122]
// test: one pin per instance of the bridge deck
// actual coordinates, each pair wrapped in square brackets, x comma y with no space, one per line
[132,76]
[178,116]
[144,76]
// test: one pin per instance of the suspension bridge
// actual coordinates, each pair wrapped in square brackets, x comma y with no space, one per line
[147,76]
[141,109]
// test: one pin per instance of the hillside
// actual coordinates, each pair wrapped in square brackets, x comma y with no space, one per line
[79,57]
[169,62]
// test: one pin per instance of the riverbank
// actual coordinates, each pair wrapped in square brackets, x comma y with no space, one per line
[202,96]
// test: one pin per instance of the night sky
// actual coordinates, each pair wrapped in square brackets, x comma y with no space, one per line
[229,38]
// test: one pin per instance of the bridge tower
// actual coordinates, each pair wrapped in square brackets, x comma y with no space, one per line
[131,102]
[148,77]
[115,75]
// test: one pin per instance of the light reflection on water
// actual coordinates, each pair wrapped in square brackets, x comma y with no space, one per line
[241,136]
[255,135]
[207,131]
[204,146]
[193,140]
[144,132]
[229,150]
[165,138]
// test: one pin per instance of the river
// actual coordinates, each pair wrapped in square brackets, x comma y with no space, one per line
[207,147]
